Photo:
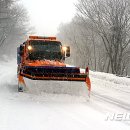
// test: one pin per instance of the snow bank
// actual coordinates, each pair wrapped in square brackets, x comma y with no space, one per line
[111,86]
[8,71]
[111,78]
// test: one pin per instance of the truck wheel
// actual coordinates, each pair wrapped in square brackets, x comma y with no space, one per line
[20,88]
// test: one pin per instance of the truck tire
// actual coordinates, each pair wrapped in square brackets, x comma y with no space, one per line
[20,88]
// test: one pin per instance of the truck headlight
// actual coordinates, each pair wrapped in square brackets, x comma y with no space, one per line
[64,48]
[30,48]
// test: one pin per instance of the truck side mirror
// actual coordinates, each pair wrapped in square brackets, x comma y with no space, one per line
[21,50]
[66,50]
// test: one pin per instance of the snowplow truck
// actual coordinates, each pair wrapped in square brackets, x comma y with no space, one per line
[43,58]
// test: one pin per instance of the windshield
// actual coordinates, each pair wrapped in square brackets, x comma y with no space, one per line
[41,50]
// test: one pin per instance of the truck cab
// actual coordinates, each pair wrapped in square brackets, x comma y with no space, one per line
[43,49]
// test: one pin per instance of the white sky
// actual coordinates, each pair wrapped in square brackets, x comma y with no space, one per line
[47,15]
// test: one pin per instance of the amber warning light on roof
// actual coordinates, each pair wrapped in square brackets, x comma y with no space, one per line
[42,37]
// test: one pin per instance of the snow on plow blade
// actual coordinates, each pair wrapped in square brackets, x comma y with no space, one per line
[55,73]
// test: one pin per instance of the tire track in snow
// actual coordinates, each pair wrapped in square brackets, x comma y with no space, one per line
[111,100]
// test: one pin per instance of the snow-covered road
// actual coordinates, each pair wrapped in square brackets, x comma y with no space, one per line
[32,111]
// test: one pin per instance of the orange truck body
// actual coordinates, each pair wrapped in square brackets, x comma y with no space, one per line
[42,58]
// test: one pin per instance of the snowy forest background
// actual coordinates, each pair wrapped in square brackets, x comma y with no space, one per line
[99,34]
[14,26]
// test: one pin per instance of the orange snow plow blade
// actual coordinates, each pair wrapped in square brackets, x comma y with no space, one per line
[54,73]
